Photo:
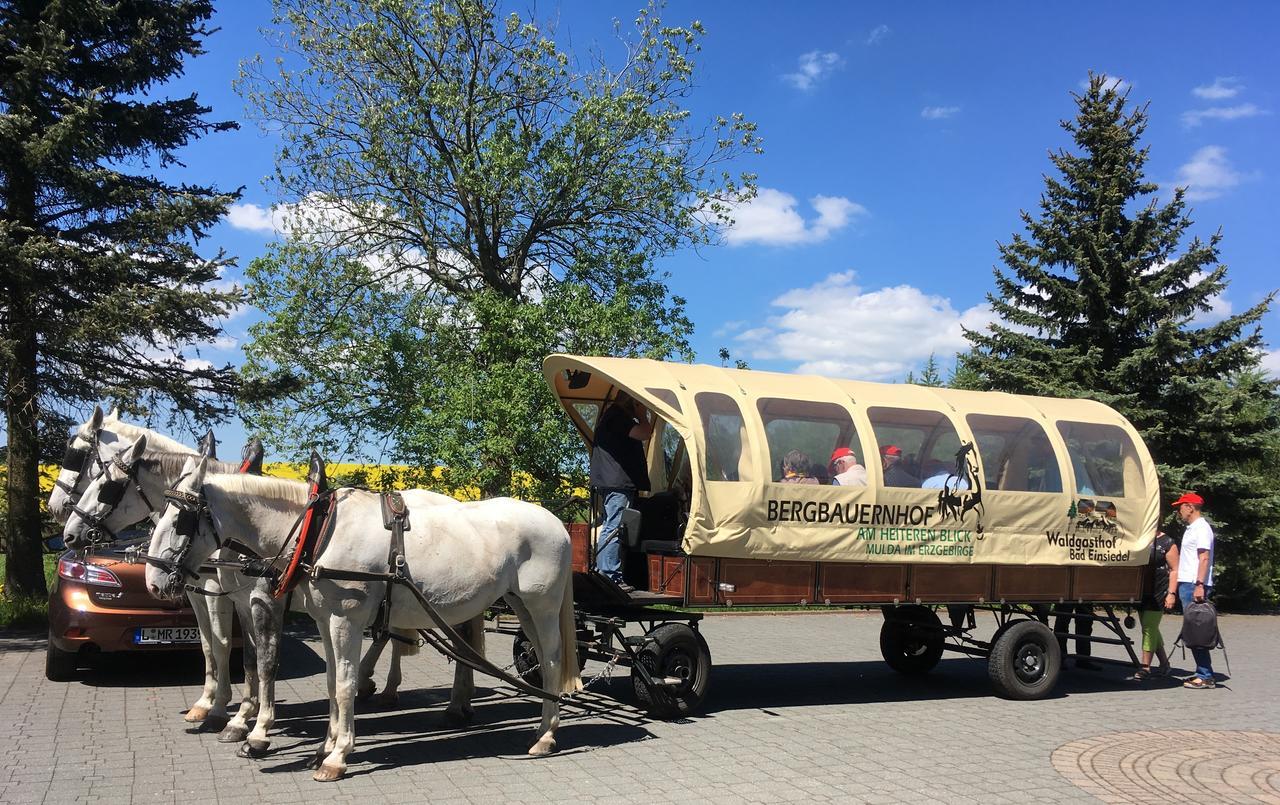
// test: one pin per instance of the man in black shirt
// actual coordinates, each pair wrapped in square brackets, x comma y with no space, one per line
[618,473]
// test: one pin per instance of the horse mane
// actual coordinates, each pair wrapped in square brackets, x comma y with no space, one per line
[170,464]
[279,489]
[155,441]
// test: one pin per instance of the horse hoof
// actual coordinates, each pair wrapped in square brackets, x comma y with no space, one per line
[253,748]
[233,733]
[543,747]
[366,690]
[327,773]
[461,718]
[385,700]
[196,714]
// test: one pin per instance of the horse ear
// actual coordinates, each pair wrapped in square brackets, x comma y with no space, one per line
[315,473]
[251,457]
[95,421]
[209,444]
[134,451]
[114,416]
[196,478]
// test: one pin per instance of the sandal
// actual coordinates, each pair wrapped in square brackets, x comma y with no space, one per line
[1163,670]
[1140,675]
[1196,683]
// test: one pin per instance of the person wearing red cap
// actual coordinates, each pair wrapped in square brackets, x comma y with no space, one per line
[894,473]
[1195,575]
[845,469]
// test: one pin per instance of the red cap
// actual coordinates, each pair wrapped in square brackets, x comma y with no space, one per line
[1190,497]
[891,450]
[839,453]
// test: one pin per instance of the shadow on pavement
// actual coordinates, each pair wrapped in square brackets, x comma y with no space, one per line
[137,669]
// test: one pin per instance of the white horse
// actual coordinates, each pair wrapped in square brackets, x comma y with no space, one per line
[261,614]
[462,558]
[91,448]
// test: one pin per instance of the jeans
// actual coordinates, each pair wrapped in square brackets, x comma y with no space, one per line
[1204,665]
[609,541]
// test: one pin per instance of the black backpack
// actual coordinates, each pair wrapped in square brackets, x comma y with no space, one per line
[1200,626]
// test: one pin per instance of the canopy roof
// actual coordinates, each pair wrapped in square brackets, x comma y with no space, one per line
[1037,469]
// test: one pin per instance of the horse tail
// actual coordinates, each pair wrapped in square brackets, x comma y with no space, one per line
[410,648]
[571,674]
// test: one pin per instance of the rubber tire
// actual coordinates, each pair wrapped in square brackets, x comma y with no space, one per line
[673,649]
[59,665]
[1025,661]
[911,639]
[526,658]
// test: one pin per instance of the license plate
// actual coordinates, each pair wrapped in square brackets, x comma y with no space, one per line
[167,634]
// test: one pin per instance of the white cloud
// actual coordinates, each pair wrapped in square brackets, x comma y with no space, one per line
[1195,117]
[771,218]
[837,328]
[813,66]
[729,327]
[253,218]
[1221,88]
[1112,82]
[1271,364]
[1209,174]
[939,112]
[877,34]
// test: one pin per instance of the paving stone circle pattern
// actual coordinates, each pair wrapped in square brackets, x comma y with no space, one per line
[1175,766]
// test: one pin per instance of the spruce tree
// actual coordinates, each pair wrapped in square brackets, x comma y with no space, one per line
[1102,299]
[102,284]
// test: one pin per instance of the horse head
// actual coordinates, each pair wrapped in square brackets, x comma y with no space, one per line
[111,501]
[181,539]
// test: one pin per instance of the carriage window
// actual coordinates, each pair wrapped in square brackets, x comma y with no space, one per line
[808,431]
[1016,454]
[925,444]
[727,457]
[667,396]
[588,412]
[1103,458]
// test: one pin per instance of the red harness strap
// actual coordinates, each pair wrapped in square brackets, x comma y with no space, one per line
[313,526]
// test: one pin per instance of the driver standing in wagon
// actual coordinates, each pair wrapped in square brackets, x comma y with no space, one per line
[618,473]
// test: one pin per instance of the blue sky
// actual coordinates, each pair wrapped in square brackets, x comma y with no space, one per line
[901,142]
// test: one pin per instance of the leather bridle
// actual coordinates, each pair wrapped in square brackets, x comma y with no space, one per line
[74,460]
[111,493]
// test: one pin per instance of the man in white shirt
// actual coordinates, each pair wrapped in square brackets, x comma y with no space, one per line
[1195,575]
[845,469]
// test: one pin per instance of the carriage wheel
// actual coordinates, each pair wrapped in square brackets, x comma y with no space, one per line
[525,656]
[1025,660]
[673,651]
[911,639]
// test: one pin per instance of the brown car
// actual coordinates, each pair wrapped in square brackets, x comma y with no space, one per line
[101,604]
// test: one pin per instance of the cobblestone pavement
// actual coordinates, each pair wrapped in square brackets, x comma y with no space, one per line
[801,709]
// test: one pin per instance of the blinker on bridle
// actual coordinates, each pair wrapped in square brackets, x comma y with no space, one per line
[74,460]
[110,494]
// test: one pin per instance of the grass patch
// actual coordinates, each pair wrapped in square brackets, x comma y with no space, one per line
[27,611]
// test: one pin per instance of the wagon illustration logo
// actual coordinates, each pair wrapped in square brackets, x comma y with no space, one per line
[962,490]
[1090,516]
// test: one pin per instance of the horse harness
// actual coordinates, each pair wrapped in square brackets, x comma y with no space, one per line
[111,493]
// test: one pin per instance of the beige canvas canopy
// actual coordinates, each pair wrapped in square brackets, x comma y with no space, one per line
[954,477]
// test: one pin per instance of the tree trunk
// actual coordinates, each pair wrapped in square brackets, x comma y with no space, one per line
[24,567]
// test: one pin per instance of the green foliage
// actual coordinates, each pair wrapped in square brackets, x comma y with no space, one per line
[930,374]
[1102,300]
[466,198]
[102,284]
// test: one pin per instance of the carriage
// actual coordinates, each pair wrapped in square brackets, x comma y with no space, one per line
[1010,504]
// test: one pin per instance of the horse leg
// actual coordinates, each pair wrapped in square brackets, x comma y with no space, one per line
[459,711]
[546,616]
[368,665]
[268,626]
[201,708]
[217,658]
[344,651]
[389,696]
[331,734]
[238,727]
[542,624]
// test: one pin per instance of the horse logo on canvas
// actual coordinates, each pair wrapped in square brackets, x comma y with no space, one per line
[962,490]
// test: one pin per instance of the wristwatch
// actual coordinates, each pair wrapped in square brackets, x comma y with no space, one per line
[1200,583]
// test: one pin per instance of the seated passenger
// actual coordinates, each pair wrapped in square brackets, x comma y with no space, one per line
[845,469]
[936,475]
[797,469]
[894,473]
